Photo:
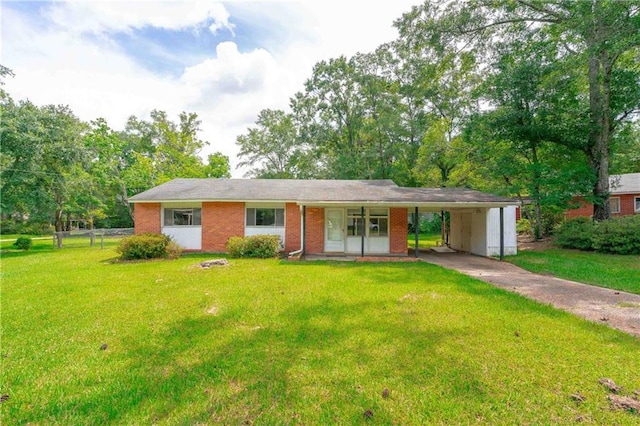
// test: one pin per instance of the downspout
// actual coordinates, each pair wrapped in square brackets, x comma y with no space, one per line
[302,229]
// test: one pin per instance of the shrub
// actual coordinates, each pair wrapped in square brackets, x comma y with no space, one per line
[261,246]
[11,226]
[148,246]
[523,226]
[620,235]
[23,243]
[576,233]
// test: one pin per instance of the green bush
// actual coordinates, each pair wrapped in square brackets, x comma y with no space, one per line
[620,235]
[262,246]
[576,233]
[148,246]
[23,243]
[11,226]
[523,226]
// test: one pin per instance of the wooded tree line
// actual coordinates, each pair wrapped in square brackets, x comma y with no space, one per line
[537,99]
[57,168]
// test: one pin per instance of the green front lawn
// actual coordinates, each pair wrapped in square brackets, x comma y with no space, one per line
[605,270]
[425,241]
[277,342]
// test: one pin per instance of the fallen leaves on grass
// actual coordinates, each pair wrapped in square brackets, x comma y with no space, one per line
[626,403]
[610,385]
[577,397]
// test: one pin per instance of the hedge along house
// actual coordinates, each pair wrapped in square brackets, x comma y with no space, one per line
[348,217]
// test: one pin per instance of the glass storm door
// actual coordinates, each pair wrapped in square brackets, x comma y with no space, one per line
[334,230]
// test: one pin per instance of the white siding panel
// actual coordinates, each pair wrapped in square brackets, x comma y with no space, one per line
[265,230]
[493,232]
[372,245]
[189,237]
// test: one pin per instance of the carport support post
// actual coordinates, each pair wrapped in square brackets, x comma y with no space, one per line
[362,232]
[416,228]
[501,233]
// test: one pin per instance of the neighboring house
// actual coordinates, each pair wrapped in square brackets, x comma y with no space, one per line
[624,199]
[320,216]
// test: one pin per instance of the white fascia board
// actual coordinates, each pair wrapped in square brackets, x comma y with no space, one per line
[212,201]
[437,206]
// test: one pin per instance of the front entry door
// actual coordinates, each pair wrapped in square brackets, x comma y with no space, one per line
[334,230]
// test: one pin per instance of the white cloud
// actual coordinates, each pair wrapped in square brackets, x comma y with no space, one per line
[99,16]
[227,91]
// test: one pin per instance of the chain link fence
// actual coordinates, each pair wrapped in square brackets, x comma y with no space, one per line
[91,235]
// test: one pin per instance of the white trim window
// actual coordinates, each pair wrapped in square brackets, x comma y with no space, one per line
[182,216]
[636,203]
[614,204]
[378,220]
[265,217]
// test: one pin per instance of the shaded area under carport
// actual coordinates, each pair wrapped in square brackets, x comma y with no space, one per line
[614,308]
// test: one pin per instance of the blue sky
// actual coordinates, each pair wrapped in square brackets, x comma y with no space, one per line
[225,61]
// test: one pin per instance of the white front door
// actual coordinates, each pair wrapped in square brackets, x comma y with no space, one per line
[334,230]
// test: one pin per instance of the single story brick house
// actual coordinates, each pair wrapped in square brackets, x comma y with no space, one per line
[624,199]
[359,217]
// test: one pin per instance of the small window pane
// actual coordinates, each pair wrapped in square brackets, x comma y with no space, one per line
[354,212]
[265,217]
[251,217]
[279,217]
[182,217]
[168,217]
[637,204]
[377,227]
[614,204]
[378,212]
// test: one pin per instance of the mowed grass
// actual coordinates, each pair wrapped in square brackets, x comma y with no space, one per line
[605,270]
[277,342]
[425,241]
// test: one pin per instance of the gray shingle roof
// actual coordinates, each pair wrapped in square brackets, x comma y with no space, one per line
[308,191]
[625,184]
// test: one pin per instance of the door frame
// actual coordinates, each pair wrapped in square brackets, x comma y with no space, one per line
[334,246]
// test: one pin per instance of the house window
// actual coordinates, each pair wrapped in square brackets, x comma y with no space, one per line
[377,220]
[614,204]
[183,217]
[637,204]
[265,217]
[354,222]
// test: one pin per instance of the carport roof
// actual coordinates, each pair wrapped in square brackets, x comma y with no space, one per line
[315,192]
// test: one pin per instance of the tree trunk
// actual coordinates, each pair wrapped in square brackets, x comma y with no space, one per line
[600,132]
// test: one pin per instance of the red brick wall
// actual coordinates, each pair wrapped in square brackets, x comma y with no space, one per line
[627,204]
[147,218]
[314,230]
[586,209]
[220,221]
[399,219]
[292,230]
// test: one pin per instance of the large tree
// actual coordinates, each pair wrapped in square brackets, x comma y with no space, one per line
[601,38]
[273,150]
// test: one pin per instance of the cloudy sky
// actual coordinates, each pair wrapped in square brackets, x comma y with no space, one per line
[225,61]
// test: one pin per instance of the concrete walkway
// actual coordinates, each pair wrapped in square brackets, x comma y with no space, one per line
[611,307]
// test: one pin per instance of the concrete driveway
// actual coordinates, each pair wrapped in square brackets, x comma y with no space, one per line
[614,308]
